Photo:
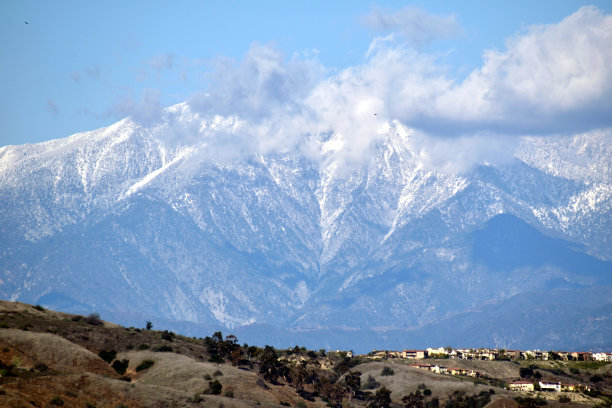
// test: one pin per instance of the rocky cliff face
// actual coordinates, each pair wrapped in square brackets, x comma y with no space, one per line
[121,220]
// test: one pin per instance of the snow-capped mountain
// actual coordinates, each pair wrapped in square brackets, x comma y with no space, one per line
[159,221]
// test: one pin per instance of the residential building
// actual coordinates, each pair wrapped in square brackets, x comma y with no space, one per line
[521,386]
[415,354]
[550,386]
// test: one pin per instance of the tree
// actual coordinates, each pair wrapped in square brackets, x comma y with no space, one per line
[353,382]
[149,325]
[270,367]
[413,400]
[370,383]
[382,399]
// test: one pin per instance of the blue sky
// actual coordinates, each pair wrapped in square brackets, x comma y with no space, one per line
[81,65]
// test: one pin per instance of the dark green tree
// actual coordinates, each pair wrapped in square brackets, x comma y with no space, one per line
[352,380]
[270,367]
[382,399]
[413,400]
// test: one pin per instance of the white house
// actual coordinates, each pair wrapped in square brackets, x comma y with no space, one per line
[550,386]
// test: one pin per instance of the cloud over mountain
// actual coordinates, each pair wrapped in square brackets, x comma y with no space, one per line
[550,79]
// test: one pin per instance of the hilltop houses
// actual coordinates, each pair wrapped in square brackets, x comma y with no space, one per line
[487,354]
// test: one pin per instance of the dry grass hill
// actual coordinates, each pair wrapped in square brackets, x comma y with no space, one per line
[51,359]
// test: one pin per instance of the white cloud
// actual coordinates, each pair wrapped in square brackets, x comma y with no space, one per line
[552,77]
[416,26]
[263,83]
[549,79]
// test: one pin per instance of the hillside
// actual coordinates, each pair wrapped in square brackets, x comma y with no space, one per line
[50,358]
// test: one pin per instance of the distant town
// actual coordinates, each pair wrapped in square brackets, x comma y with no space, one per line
[487,354]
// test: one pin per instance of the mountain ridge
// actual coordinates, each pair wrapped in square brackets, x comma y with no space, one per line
[232,241]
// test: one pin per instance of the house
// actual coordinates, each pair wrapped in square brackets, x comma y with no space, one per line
[374,354]
[415,354]
[521,386]
[602,356]
[575,387]
[581,356]
[457,371]
[421,366]
[437,369]
[437,352]
[550,386]
[536,354]
[563,355]
[513,354]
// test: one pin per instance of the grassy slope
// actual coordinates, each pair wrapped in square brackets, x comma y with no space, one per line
[55,355]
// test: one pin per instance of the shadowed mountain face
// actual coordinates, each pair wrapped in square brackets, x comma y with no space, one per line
[118,222]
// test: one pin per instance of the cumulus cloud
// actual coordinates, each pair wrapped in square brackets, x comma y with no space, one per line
[549,79]
[266,91]
[416,26]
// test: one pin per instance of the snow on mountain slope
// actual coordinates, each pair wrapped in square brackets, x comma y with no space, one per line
[155,218]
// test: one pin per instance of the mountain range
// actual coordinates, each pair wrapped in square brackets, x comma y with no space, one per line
[163,222]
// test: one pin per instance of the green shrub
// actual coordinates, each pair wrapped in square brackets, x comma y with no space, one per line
[229,394]
[107,355]
[370,383]
[120,366]
[217,373]
[214,388]
[168,336]
[528,402]
[94,319]
[386,371]
[144,365]
[57,401]
[164,349]
[144,347]
[39,307]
